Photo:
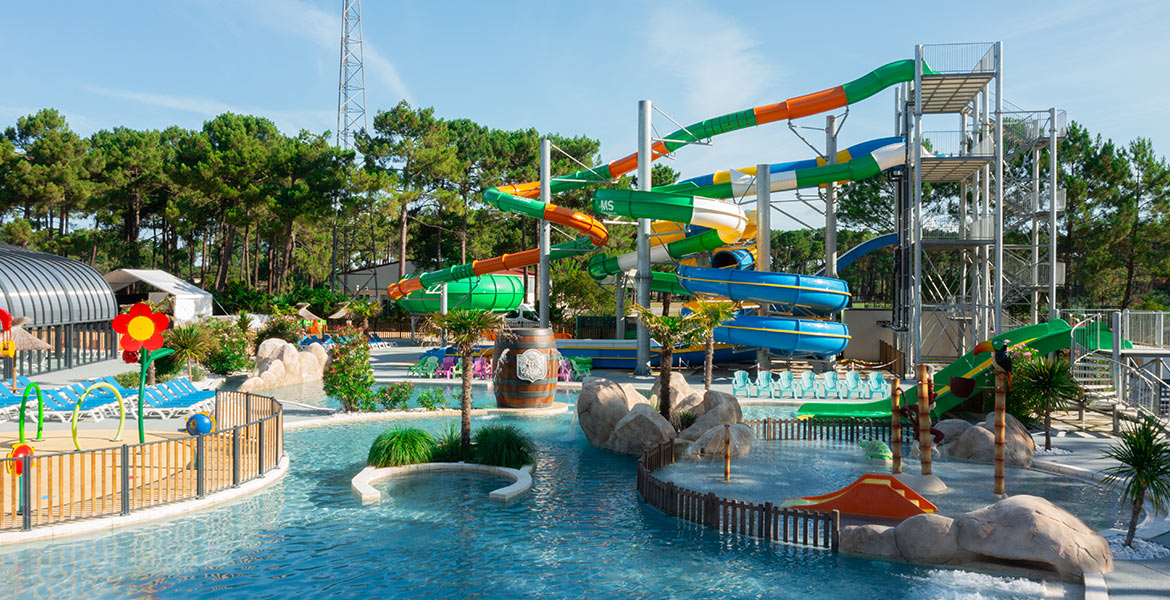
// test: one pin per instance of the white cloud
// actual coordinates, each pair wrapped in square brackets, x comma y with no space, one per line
[200,106]
[719,62]
[323,28]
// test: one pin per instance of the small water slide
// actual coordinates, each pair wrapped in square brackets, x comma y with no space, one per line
[1043,338]
[521,198]
[856,252]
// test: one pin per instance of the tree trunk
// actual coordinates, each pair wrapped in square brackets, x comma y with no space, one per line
[465,404]
[463,230]
[665,359]
[708,367]
[247,275]
[402,245]
[665,304]
[286,259]
[1133,519]
[1047,428]
[225,258]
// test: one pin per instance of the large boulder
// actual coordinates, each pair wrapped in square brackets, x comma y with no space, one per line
[1030,528]
[640,430]
[952,429]
[600,405]
[270,348]
[688,403]
[679,389]
[633,396]
[869,540]
[320,352]
[930,538]
[279,363]
[713,443]
[714,398]
[718,415]
[978,443]
[1015,433]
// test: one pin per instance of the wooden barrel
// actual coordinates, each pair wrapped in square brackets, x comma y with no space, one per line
[525,372]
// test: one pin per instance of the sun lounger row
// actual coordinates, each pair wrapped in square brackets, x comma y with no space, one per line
[806,385]
[171,399]
[374,340]
[450,367]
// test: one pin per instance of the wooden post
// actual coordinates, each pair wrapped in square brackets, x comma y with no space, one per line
[1000,426]
[896,424]
[924,418]
[727,453]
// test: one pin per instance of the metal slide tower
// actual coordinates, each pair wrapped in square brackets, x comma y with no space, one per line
[959,269]
[351,76]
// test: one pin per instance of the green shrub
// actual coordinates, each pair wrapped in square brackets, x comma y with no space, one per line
[349,376]
[129,379]
[449,447]
[284,327]
[401,446]
[239,296]
[230,354]
[395,396]
[504,446]
[433,399]
[683,419]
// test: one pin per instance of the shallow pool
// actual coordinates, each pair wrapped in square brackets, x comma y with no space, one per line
[581,532]
[313,394]
[774,471]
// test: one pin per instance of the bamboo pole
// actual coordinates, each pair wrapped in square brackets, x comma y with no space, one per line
[896,424]
[924,418]
[1000,426]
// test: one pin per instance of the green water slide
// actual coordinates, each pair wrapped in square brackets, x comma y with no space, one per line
[1043,338]
[497,293]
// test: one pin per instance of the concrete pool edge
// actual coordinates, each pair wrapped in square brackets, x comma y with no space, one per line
[521,478]
[52,532]
[556,408]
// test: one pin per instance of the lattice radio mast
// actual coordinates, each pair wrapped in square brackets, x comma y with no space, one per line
[351,82]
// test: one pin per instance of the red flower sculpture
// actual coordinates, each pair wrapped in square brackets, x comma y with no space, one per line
[129,357]
[141,328]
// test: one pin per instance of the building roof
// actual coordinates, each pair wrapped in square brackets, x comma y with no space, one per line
[51,289]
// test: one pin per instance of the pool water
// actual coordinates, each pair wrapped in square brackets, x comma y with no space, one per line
[581,532]
[774,471]
[313,394]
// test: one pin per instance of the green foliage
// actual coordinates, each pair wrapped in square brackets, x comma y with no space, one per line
[671,332]
[349,376]
[284,327]
[683,419]
[395,396]
[401,446]
[1043,385]
[433,399]
[1144,472]
[230,351]
[192,343]
[449,447]
[504,446]
[128,379]
[238,296]
[706,317]
[321,301]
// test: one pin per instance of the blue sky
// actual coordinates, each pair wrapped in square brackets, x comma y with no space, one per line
[572,68]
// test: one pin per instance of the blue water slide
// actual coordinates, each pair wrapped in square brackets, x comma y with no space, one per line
[797,294]
[794,337]
[856,252]
[739,258]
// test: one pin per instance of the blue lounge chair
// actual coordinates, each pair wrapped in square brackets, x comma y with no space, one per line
[741,381]
[832,384]
[878,385]
[807,383]
[855,386]
[764,383]
[785,384]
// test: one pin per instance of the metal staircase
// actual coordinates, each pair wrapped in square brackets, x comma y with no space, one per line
[1114,383]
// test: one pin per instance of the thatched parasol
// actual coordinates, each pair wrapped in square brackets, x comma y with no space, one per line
[24,341]
[342,312]
[304,312]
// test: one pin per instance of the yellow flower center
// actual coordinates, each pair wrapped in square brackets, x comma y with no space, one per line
[140,328]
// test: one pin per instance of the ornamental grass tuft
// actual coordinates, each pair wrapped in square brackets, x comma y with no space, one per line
[401,446]
[504,446]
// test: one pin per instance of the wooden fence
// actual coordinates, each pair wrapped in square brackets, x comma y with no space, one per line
[843,430]
[767,521]
[70,486]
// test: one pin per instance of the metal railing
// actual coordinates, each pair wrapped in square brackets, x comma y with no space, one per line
[728,515]
[952,144]
[49,489]
[977,57]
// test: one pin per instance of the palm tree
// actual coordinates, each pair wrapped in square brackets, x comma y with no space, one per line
[1144,472]
[191,343]
[464,328]
[365,309]
[1046,384]
[670,332]
[707,316]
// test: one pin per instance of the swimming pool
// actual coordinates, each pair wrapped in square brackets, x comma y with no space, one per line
[581,532]
[313,394]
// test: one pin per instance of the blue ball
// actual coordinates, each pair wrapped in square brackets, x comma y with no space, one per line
[200,424]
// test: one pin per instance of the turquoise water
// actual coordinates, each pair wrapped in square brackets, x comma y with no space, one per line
[313,394]
[774,471]
[581,532]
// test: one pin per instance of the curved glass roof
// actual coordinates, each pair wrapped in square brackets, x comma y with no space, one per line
[52,290]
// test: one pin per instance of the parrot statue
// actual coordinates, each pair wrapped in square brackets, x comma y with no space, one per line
[999,357]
